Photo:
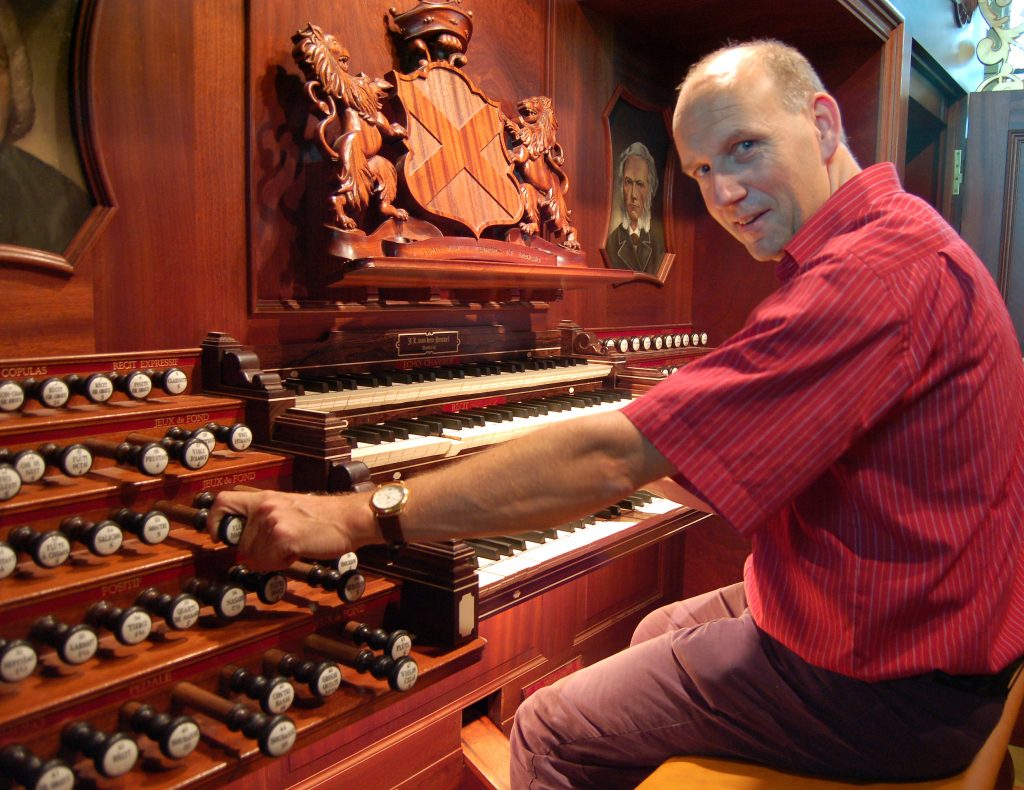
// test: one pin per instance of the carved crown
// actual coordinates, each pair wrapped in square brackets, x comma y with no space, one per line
[432,18]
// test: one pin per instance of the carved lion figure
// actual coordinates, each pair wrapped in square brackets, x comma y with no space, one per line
[538,158]
[362,173]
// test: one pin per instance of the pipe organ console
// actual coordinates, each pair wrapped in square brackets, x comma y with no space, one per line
[136,650]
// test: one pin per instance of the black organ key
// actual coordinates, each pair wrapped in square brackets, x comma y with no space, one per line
[237,437]
[514,543]
[450,421]
[52,391]
[226,598]
[400,673]
[10,482]
[398,376]
[129,626]
[269,587]
[345,382]
[95,387]
[348,586]
[229,530]
[173,381]
[363,435]
[275,694]
[12,395]
[73,460]
[73,644]
[295,385]
[177,736]
[136,384]
[433,422]
[29,464]
[485,550]
[502,548]
[101,538]
[322,678]
[396,644]
[151,526]
[179,611]
[112,754]
[397,430]
[315,385]
[416,427]
[274,734]
[18,660]
[32,772]
[149,458]
[46,549]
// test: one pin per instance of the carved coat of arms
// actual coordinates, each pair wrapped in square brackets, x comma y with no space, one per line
[458,167]
[455,168]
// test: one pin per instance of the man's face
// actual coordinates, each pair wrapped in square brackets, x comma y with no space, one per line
[759,166]
[635,188]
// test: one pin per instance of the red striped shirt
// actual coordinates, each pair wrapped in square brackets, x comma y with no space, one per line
[865,429]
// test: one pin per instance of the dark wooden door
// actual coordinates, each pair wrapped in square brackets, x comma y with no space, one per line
[993,192]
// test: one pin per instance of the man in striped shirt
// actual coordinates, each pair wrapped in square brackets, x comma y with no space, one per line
[865,430]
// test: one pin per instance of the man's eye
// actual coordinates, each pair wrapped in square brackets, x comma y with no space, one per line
[745,146]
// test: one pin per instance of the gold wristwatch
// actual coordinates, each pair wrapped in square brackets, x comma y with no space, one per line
[387,502]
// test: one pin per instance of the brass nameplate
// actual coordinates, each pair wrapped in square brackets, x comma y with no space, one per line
[418,344]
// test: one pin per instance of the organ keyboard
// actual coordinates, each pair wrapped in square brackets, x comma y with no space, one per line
[366,406]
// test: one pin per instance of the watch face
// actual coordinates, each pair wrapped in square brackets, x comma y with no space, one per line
[389,497]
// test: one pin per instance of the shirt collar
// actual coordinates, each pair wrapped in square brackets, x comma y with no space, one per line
[839,214]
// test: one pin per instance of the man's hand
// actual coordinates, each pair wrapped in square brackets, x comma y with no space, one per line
[282,527]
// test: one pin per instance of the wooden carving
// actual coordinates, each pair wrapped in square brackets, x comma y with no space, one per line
[351,104]
[434,31]
[539,159]
[458,170]
[459,181]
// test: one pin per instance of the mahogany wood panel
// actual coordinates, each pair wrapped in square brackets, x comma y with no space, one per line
[199,130]
[992,218]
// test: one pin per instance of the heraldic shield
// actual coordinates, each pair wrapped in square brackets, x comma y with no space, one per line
[457,168]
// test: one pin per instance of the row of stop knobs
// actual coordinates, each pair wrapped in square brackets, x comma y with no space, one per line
[131,625]
[105,536]
[55,392]
[177,734]
[190,448]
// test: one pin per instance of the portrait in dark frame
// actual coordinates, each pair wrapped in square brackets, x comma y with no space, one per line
[640,145]
[42,186]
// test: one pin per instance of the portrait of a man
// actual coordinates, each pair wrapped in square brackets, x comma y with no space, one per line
[41,184]
[631,244]
[639,147]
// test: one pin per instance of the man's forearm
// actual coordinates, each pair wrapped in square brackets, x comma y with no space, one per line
[542,479]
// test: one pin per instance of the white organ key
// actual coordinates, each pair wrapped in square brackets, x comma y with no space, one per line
[493,433]
[492,571]
[371,397]
[401,450]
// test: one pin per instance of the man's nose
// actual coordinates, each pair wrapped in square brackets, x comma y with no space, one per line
[725,189]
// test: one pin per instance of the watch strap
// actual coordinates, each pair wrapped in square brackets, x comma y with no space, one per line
[390,528]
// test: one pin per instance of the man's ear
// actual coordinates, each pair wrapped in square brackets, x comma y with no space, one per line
[828,122]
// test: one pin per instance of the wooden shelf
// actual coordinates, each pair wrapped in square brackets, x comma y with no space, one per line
[387,272]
